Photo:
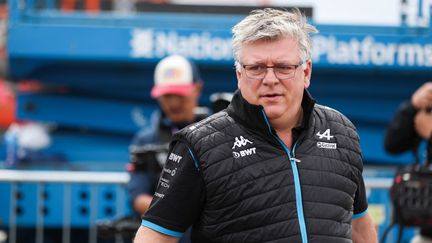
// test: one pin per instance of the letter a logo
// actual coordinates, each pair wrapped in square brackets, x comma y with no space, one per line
[325,134]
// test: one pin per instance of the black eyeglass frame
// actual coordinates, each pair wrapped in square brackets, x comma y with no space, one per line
[295,66]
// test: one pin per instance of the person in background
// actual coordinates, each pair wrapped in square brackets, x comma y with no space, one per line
[274,166]
[412,124]
[177,89]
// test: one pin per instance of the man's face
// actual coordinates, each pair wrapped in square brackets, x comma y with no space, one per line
[180,108]
[279,97]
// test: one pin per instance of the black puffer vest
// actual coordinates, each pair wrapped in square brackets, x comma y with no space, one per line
[258,190]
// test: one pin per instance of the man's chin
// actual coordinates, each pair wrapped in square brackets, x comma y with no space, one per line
[272,112]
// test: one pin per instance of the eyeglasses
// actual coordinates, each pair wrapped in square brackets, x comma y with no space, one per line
[281,71]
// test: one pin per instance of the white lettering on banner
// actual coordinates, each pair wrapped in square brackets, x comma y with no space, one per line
[142,43]
[204,45]
[368,51]
[149,43]
[174,157]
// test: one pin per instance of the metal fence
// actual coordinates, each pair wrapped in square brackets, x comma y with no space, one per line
[66,179]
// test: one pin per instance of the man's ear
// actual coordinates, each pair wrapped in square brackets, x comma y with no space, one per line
[239,76]
[307,73]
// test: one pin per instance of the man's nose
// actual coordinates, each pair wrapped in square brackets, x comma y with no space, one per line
[270,76]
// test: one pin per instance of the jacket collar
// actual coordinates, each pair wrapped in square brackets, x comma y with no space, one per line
[252,116]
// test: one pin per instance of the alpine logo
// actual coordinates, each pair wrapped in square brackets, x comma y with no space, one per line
[240,142]
[325,134]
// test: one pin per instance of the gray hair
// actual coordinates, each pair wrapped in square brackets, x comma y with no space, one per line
[272,24]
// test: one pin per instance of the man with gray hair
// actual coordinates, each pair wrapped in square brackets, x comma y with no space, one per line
[272,167]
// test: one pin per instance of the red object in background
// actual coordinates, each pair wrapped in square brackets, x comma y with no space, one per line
[68,5]
[29,86]
[7,96]
[7,105]
[90,6]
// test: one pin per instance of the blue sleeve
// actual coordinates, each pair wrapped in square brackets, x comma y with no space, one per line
[359,215]
[140,183]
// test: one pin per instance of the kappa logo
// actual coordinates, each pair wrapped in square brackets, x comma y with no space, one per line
[240,142]
[325,134]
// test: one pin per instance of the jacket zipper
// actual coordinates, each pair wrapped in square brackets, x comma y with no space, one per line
[297,185]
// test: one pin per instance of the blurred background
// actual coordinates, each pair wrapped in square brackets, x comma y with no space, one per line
[75,87]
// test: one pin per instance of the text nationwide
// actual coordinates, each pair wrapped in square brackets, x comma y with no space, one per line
[327,49]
